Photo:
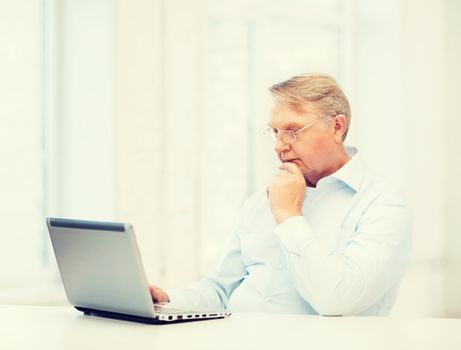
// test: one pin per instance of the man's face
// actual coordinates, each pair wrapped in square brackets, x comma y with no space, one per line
[314,149]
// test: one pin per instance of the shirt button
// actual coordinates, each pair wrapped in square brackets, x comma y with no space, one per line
[280,266]
[268,299]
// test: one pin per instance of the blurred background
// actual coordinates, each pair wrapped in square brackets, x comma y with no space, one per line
[152,112]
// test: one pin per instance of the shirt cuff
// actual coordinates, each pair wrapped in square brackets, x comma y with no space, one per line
[295,234]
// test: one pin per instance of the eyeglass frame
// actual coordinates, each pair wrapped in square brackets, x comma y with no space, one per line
[292,132]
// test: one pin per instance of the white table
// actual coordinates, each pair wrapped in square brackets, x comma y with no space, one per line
[35,327]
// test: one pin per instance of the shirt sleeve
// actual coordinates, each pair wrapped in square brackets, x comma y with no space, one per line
[349,281]
[213,292]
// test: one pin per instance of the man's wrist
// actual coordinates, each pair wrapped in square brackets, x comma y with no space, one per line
[281,217]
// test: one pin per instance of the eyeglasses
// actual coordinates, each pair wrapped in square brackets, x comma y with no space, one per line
[288,136]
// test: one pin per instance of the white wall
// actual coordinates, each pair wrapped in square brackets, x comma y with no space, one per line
[377,105]
[423,151]
[452,124]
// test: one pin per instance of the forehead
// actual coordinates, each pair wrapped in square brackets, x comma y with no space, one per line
[283,116]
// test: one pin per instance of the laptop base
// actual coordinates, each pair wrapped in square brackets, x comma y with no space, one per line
[134,318]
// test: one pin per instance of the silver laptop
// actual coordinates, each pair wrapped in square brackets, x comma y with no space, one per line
[103,275]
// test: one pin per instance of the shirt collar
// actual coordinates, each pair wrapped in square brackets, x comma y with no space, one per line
[352,172]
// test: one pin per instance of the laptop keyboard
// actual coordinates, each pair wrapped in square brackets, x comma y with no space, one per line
[161,308]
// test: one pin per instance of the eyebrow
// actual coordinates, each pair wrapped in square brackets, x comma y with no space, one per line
[287,126]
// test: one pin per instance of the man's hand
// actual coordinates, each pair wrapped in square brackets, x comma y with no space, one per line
[158,295]
[286,192]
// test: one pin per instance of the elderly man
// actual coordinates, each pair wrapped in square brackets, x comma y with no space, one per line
[327,236]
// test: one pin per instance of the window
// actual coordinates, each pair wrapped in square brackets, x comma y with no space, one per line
[56,134]
[23,252]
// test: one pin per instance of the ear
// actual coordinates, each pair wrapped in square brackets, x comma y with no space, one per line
[340,125]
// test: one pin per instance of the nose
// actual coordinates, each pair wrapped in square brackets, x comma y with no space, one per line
[280,146]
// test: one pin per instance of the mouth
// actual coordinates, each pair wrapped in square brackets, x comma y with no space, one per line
[294,160]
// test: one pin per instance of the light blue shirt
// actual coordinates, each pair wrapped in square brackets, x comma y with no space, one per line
[345,256]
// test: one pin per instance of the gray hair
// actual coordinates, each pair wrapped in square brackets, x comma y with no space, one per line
[320,89]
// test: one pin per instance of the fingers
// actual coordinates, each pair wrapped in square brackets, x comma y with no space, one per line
[290,167]
[153,291]
[158,294]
